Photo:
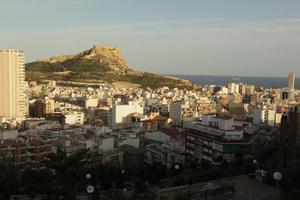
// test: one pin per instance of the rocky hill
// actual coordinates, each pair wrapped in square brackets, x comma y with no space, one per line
[98,64]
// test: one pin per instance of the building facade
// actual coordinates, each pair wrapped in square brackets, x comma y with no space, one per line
[291,81]
[290,127]
[216,138]
[12,84]
[25,152]
[120,113]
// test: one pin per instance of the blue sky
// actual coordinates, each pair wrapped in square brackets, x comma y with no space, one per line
[221,37]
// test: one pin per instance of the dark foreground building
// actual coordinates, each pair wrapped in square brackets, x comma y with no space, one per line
[290,127]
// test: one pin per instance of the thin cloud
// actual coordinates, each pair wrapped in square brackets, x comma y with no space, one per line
[175,27]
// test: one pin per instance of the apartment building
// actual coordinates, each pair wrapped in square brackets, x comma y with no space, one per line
[95,156]
[25,152]
[12,84]
[185,111]
[266,116]
[215,137]
[165,155]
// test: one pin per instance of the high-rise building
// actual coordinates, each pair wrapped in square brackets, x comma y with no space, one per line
[291,80]
[12,84]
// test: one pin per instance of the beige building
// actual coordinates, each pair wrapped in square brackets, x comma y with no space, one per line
[291,81]
[12,84]
[50,105]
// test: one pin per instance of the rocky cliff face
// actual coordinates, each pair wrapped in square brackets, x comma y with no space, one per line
[109,56]
[103,52]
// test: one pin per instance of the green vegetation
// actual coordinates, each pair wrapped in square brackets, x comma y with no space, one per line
[95,70]
[285,159]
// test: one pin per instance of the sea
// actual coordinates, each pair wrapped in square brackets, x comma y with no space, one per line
[265,82]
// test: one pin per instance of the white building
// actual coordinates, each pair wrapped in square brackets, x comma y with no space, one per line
[226,127]
[91,103]
[233,88]
[265,116]
[75,117]
[176,112]
[119,113]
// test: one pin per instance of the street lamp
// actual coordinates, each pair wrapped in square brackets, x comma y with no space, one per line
[259,172]
[277,177]
[176,169]
[88,176]
[256,163]
[123,177]
[90,188]
[124,190]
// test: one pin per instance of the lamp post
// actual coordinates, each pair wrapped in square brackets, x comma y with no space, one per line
[88,176]
[90,188]
[256,163]
[259,172]
[123,180]
[277,177]
[176,169]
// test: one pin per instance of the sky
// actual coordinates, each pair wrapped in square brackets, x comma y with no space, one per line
[205,37]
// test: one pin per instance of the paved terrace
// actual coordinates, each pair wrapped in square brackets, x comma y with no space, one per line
[234,188]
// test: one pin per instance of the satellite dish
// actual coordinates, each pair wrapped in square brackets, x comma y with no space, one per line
[90,189]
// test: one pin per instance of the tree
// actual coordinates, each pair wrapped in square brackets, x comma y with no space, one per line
[37,182]
[238,158]
[179,180]
[156,171]
[69,171]
[181,197]
[9,178]
[140,186]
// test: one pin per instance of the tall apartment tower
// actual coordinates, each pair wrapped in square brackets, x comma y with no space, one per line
[291,81]
[12,84]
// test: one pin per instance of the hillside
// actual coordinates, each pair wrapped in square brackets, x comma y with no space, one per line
[98,64]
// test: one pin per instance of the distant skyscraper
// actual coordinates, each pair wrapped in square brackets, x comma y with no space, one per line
[291,81]
[12,84]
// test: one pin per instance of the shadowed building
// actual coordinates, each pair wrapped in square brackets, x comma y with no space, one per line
[290,127]
[37,109]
